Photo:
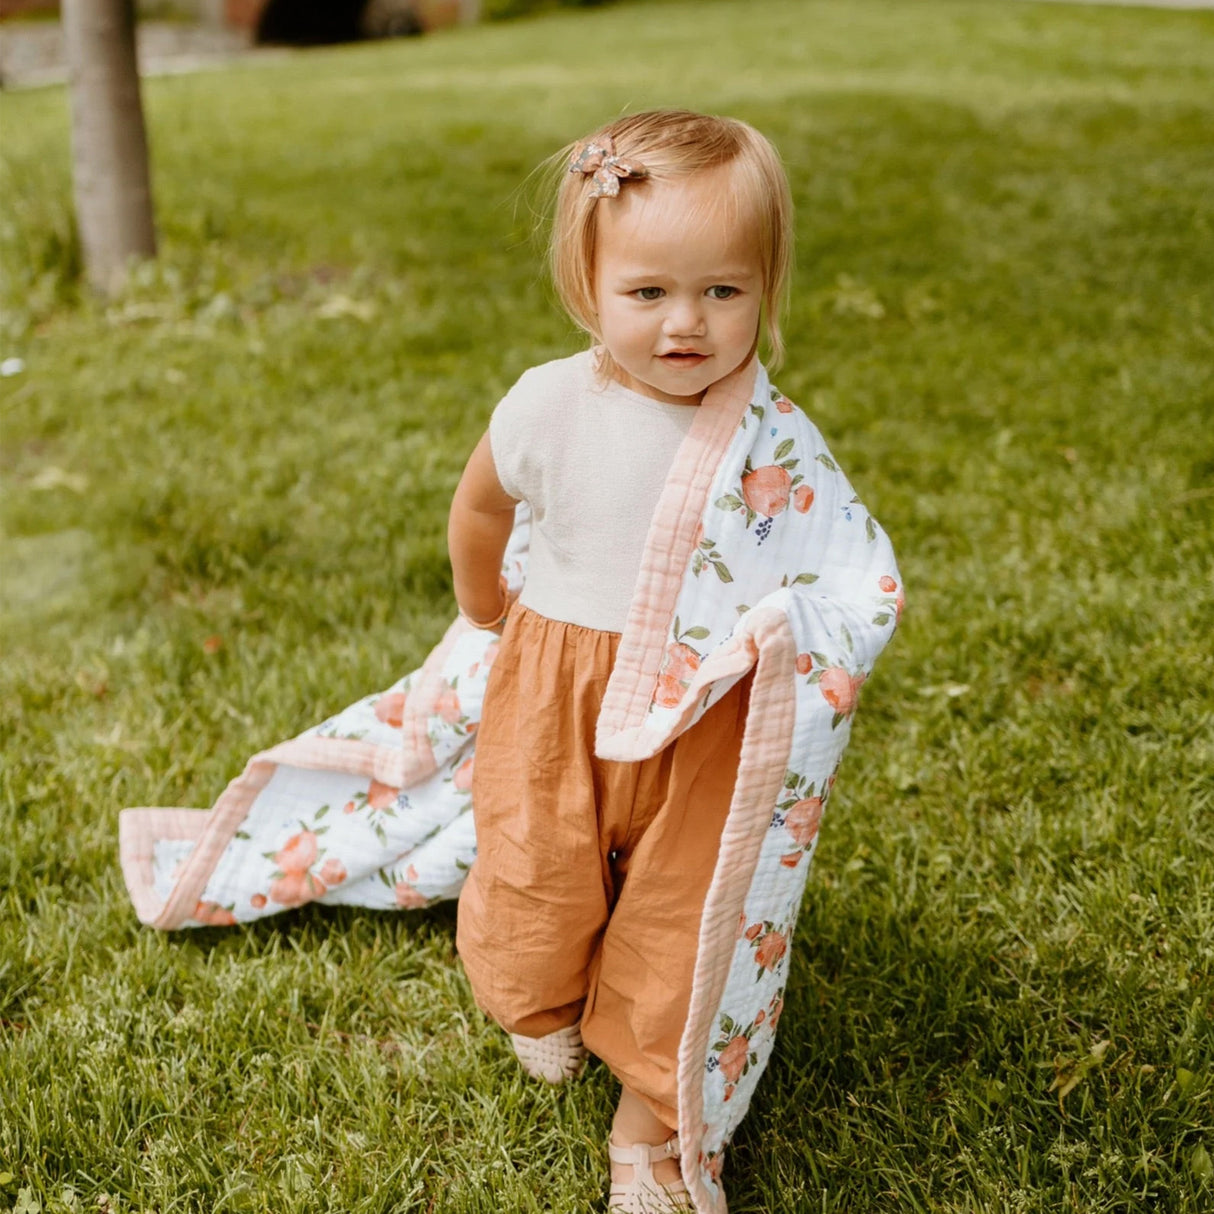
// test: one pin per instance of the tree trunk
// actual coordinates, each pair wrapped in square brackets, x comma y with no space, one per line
[109,146]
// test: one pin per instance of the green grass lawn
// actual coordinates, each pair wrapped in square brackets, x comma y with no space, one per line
[223,518]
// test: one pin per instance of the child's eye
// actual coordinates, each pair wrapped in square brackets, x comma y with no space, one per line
[649,293]
[722,292]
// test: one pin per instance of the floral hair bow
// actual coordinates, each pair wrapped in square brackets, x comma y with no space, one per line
[598,159]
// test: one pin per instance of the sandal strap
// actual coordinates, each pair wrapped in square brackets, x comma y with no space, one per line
[669,1149]
[640,1155]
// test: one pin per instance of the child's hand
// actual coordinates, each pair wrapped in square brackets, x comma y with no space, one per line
[496,622]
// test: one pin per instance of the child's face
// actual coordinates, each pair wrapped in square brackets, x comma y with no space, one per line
[678,289]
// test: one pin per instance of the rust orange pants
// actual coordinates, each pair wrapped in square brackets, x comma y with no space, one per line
[585,899]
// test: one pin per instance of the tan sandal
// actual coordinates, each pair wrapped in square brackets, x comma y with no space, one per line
[643,1194]
[555,1057]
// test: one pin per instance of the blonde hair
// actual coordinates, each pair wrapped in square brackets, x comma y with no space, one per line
[672,144]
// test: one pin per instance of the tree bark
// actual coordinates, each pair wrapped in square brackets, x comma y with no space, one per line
[109,145]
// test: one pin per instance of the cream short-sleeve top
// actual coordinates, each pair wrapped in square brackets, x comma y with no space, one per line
[591,459]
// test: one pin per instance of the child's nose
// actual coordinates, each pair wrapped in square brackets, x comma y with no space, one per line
[685,318]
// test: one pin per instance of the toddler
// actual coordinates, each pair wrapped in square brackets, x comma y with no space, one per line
[579,921]
[648,749]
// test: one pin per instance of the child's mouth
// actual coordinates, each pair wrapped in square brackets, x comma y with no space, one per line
[683,358]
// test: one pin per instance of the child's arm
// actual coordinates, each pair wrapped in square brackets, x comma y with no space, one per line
[479,526]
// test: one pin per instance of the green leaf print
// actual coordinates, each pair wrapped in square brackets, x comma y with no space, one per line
[722,571]
[728,502]
[698,633]
[870,529]
[782,450]
[805,579]
[823,458]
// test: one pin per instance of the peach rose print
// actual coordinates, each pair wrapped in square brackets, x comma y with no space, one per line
[896,598]
[841,689]
[332,871]
[668,693]
[214,915]
[731,1052]
[381,796]
[765,492]
[771,949]
[681,660]
[447,705]
[295,884]
[462,779]
[679,665]
[777,1009]
[733,1058]
[766,489]
[294,889]
[409,897]
[298,852]
[803,819]
[390,708]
